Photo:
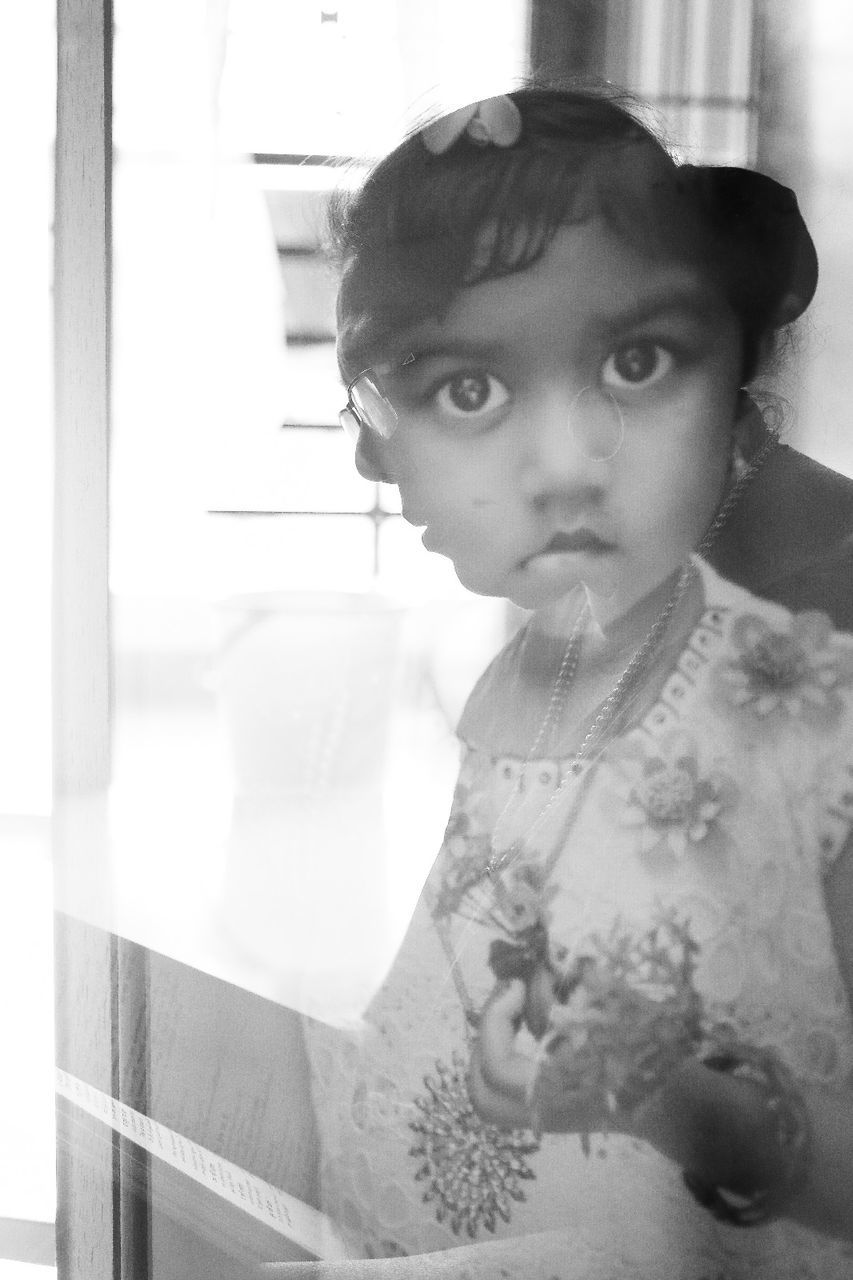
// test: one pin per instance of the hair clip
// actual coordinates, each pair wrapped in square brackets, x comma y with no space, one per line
[494,121]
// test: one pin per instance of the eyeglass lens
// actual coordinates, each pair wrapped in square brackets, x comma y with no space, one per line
[372,406]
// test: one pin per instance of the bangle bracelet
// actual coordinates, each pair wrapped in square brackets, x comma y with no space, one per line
[791,1130]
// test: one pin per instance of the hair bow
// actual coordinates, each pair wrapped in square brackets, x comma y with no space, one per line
[495,120]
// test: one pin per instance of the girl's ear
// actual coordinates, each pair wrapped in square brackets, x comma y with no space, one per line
[367,458]
[750,429]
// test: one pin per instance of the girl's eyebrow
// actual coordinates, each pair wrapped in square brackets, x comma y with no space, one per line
[694,303]
[445,347]
[687,302]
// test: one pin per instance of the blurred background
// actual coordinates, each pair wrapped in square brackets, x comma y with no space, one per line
[255,581]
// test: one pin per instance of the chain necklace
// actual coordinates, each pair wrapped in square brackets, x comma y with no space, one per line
[615,700]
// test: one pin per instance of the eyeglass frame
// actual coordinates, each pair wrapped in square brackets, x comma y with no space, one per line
[350,417]
[352,421]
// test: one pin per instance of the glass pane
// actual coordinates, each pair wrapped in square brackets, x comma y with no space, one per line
[288,687]
[317,474]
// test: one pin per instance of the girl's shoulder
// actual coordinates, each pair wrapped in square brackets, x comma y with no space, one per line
[733,600]
[756,653]
[742,611]
[766,693]
[782,686]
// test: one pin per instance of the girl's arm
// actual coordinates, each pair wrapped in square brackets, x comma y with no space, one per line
[717,1127]
[714,1124]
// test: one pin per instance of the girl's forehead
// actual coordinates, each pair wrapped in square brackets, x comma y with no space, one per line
[422,247]
[587,277]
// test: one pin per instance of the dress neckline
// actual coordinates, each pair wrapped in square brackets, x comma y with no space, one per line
[686,666]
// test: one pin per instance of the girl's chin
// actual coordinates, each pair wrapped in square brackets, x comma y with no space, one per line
[543,591]
[606,607]
[609,602]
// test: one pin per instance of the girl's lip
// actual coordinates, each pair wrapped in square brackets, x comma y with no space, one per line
[579,540]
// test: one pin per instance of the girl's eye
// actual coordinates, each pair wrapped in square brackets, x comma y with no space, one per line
[467,394]
[636,364]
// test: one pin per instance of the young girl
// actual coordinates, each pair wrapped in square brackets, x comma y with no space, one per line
[617,1039]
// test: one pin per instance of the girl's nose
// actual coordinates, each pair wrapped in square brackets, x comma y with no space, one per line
[569,442]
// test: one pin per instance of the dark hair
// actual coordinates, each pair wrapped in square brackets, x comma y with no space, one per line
[423,226]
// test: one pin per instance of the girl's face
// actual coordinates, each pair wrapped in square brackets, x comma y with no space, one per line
[512,405]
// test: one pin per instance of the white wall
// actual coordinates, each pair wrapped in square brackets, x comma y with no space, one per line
[825,427]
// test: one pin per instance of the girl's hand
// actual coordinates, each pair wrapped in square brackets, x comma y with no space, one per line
[713,1124]
[515,1090]
[500,1078]
[708,1122]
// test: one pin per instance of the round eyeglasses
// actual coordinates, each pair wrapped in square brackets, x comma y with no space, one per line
[368,406]
[595,425]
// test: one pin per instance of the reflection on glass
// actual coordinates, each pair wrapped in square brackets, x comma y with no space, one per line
[290,670]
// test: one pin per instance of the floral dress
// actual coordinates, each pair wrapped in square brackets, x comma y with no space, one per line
[688,859]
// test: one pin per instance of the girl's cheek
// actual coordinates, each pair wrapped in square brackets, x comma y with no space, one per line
[428,499]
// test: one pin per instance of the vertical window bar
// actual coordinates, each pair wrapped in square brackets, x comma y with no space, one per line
[694,60]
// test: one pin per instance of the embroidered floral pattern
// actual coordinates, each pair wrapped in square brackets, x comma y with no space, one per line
[524,895]
[667,798]
[793,672]
[631,1014]
[473,1170]
[461,865]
